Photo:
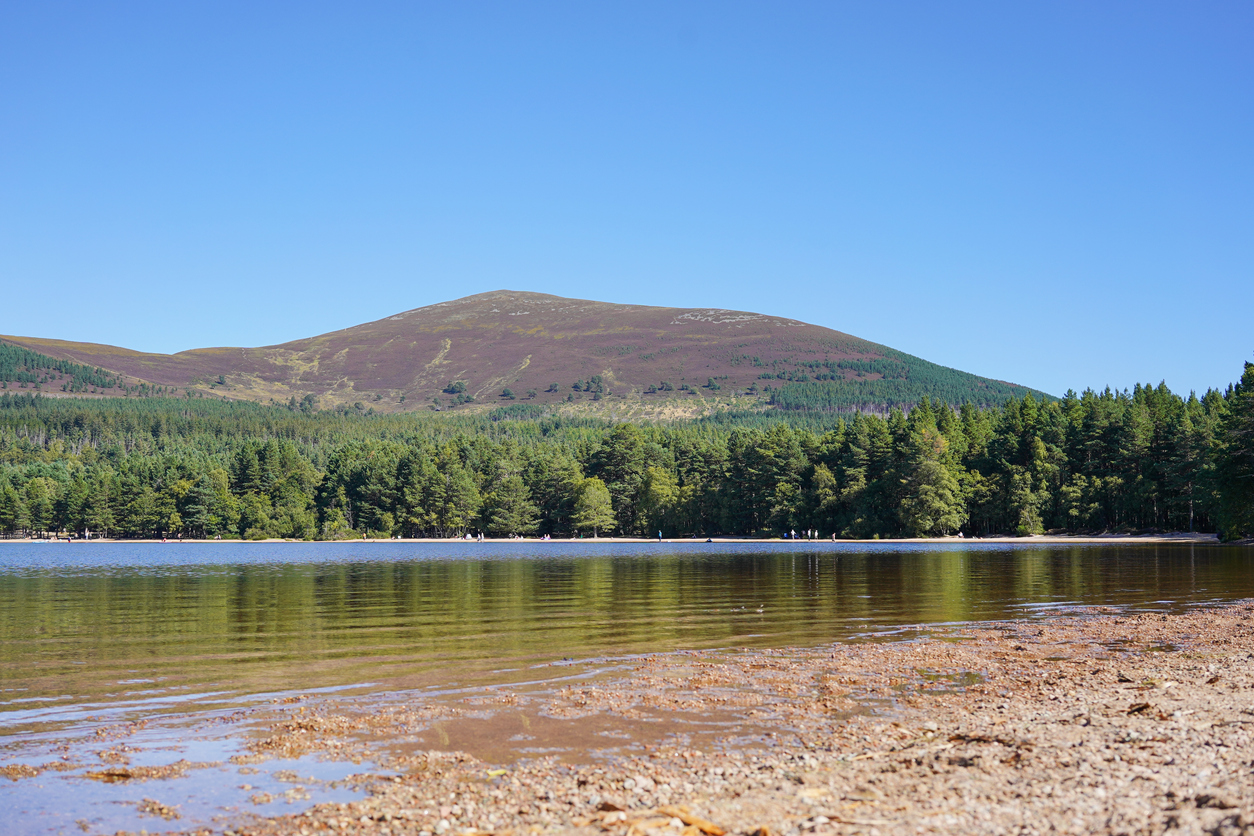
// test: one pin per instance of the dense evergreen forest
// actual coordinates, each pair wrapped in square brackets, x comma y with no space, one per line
[1101,461]
[901,380]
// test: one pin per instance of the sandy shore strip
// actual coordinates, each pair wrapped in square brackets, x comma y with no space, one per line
[1087,723]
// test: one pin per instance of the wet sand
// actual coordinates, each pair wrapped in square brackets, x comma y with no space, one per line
[1087,723]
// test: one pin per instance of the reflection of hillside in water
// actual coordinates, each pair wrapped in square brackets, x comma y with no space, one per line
[151,625]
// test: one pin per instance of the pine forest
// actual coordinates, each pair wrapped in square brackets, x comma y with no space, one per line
[1110,461]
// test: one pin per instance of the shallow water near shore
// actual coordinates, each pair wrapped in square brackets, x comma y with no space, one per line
[97,635]
[115,631]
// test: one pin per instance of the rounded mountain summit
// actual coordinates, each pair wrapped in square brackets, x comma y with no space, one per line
[508,347]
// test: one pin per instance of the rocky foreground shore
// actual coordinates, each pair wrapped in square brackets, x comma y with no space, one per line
[1088,723]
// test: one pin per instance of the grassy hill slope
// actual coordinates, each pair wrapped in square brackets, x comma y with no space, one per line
[546,349]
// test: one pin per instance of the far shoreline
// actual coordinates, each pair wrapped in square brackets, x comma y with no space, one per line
[1048,539]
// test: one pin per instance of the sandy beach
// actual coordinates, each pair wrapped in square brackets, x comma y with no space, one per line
[1090,722]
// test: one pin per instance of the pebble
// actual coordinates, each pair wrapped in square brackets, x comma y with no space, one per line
[855,739]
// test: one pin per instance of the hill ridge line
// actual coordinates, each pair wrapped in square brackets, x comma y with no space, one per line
[578,350]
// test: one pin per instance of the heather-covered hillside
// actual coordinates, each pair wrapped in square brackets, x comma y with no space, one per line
[502,347]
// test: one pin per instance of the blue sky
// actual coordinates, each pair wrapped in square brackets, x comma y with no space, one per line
[1057,194]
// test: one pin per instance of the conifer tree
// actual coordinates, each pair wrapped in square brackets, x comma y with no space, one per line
[509,509]
[1236,460]
[593,508]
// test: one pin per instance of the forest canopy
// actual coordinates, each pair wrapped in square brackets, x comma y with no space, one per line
[1145,459]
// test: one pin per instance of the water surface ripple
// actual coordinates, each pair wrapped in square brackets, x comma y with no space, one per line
[104,631]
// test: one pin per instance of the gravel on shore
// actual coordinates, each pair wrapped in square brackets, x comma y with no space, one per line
[1091,723]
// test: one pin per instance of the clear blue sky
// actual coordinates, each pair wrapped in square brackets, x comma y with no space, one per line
[1057,194]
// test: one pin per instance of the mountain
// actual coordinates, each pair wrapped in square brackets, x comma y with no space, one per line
[543,349]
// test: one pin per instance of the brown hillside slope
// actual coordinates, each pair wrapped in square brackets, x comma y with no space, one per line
[493,341]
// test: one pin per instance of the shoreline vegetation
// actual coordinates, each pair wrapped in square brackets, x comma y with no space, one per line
[1096,721]
[1117,462]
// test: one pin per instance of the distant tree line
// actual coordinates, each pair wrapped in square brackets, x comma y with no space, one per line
[30,368]
[1100,461]
[893,380]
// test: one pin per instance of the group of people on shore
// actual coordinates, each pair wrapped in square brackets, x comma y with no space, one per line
[806,534]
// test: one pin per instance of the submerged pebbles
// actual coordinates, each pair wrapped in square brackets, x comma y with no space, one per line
[1088,723]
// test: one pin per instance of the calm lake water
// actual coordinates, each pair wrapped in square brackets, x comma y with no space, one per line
[101,632]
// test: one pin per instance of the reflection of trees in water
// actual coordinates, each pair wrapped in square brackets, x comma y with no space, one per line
[299,624]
